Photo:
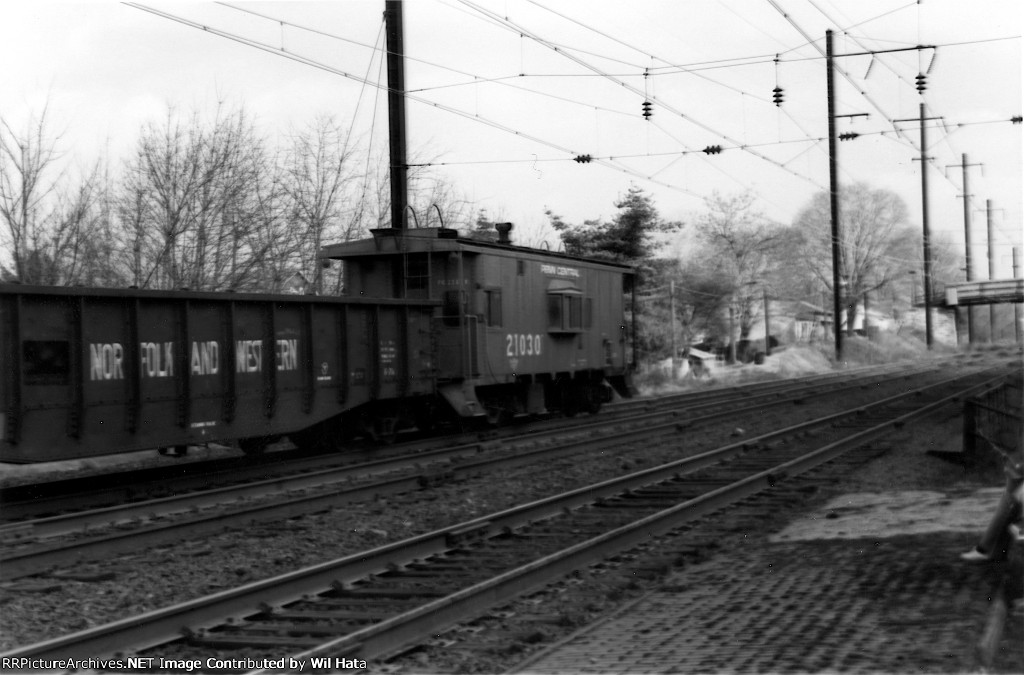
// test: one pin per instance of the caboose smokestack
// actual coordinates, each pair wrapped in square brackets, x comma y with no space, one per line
[503,232]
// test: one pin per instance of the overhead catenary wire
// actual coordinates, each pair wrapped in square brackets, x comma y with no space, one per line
[617,158]
[608,163]
[639,92]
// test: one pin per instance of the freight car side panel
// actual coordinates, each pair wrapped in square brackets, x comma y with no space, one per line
[548,317]
[98,372]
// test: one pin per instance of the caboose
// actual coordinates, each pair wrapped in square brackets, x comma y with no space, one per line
[519,330]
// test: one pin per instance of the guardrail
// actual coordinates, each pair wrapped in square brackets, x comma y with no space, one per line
[995,418]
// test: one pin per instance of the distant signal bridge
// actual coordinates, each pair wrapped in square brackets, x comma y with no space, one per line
[992,292]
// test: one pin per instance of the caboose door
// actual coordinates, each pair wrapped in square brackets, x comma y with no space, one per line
[455,339]
[455,330]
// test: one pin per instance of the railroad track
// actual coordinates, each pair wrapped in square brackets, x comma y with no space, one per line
[376,602]
[88,535]
[38,500]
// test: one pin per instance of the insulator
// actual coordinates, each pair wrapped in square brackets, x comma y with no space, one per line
[646,108]
[777,96]
[583,159]
[922,82]
[848,136]
[713,149]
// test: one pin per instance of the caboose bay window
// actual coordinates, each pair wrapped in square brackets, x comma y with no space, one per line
[565,308]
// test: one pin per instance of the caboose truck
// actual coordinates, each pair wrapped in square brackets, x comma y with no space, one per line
[519,330]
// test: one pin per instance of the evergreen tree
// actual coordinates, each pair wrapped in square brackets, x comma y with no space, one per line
[628,238]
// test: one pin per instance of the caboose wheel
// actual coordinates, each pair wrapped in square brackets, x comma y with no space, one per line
[498,416]
[385,430]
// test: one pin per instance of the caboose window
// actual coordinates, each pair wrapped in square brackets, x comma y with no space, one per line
[565,308]
[555,311]
[494,307]
[417,271]
[575,312]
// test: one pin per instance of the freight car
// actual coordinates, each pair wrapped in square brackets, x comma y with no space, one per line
[432,326]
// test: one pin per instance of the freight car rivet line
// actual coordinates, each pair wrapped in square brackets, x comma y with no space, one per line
[364,580]
[33,560]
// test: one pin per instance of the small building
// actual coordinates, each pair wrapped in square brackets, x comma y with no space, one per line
[296,284]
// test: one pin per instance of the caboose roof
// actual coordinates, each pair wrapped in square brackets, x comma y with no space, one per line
[390,241]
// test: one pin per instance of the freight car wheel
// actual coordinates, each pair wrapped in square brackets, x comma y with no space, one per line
[253,446]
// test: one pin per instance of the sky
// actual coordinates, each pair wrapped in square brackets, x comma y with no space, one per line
[503,95]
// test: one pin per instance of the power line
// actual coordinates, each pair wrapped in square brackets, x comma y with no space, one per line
[304,60]
[635,90]
[476,79]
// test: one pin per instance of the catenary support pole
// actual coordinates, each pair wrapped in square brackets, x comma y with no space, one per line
[967,246]
[926,234]
[1017,305]
[396,111]
[991,268]
[833,180]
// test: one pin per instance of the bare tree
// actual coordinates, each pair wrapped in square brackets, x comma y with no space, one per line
[198,204]
[874,242]
[744,245]
[47,218]
[319,173]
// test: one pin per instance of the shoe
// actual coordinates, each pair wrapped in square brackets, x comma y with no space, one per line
[975,556]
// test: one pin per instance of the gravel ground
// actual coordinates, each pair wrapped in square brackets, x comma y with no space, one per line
[512,635]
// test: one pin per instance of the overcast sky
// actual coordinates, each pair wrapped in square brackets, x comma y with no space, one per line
[507,92]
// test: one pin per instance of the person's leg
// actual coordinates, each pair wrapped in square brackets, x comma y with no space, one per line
[993,543]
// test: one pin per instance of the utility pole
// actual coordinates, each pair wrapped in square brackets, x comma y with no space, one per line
[926,234]
[1016,305]
[396,109]
[867,327]
[672,323]
[967,242]
[767,324]
[833,187]
[991,267]
[732,330]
